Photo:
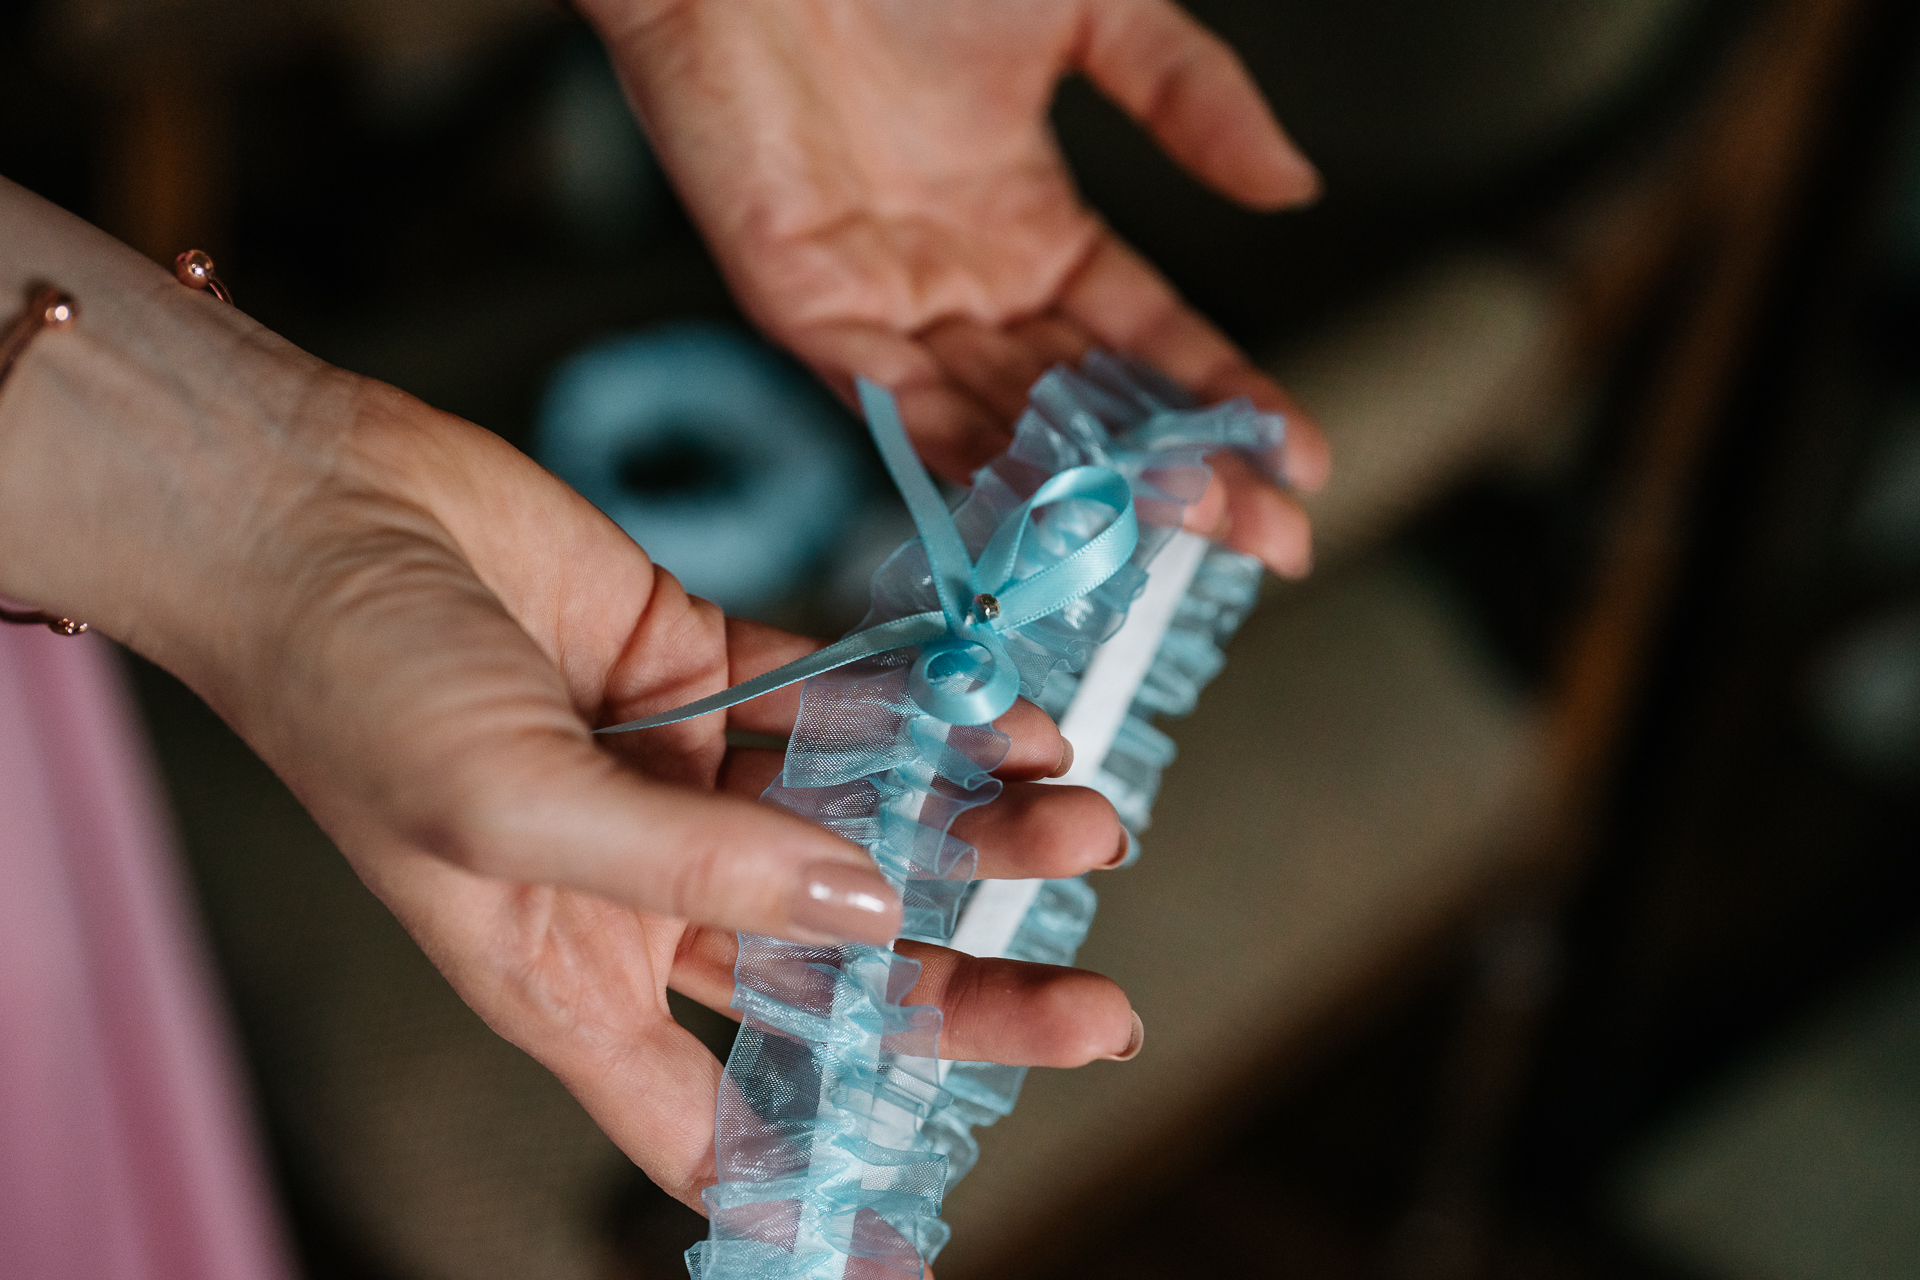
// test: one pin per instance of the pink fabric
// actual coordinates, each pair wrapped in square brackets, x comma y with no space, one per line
[127,1150]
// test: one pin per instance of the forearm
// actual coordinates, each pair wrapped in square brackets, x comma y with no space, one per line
[138,447]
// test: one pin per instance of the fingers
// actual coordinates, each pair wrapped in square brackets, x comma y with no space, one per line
[655,1099]
[754,649]
[1021,1014]
[584,993]
[425,719]
[748,771]
[997,365]
[1189,89]
[553,809]
[578,983]
[1007,1011]
[964,383]
[703,968]
[1243,509]
[1037,751]
[1035,831]
[1126,305]
[1030,831]
[1308,459]
[1247,512]
[953,430]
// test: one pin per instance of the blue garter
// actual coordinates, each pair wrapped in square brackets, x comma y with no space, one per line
[839,1129]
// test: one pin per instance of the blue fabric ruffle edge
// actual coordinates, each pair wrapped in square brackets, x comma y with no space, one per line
[837,1138]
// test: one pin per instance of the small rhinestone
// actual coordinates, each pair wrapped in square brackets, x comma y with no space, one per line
[985,607]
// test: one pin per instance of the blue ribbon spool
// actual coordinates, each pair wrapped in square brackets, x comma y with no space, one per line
[667,432]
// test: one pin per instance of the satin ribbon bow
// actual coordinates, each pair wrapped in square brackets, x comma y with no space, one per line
[964,674]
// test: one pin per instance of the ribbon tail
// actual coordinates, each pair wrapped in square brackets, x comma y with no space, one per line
[946,554]
[914,629]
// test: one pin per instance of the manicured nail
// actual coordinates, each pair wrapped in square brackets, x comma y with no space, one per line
[1066,760]
[1120,854]
[1137,1038]
[845,903]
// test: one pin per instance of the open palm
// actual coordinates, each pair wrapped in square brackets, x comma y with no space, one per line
[879,183]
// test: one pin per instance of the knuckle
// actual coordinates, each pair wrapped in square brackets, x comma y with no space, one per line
[695,880]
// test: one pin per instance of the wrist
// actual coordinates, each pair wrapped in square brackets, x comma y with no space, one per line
[140,447]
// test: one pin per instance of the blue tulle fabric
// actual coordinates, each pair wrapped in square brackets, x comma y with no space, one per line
[837,1136]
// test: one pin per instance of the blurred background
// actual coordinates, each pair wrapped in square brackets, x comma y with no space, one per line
[1536,893]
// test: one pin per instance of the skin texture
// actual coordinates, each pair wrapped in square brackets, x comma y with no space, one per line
[418,628]
[878,180]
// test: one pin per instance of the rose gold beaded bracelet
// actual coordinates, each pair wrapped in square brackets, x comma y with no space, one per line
[50,308]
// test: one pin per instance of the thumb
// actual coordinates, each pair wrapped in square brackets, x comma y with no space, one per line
[553,808]
[424,719]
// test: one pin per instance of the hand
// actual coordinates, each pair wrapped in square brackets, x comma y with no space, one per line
[878,181]
[417,627]
[558,887]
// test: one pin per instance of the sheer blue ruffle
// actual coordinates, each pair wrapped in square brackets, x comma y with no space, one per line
[837,1134]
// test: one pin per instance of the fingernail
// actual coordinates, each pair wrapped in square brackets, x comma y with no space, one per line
[1135,1039]
[845,903]
[1120,855]
[1066,760]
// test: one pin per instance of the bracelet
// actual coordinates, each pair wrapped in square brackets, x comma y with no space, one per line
[51,308]
[194,269]
[47,308]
